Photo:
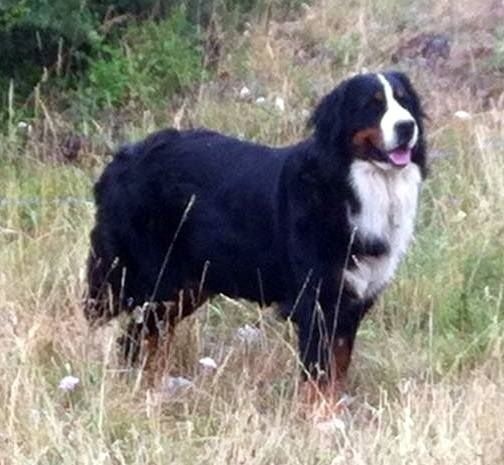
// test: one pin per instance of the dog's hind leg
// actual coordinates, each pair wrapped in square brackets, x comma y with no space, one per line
[157,362]
[157,353]
[140,342]
[148,337]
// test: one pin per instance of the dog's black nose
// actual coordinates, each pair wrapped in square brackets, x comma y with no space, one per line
[404,131]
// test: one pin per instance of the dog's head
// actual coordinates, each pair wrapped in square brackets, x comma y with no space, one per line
[375,118]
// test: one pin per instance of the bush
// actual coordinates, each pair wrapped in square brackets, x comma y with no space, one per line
[40,37]
[111,50]
[34,34]
[155,59]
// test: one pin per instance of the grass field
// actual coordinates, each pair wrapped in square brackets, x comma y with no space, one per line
[427,381]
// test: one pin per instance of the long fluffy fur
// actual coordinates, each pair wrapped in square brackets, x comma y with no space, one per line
[184,215]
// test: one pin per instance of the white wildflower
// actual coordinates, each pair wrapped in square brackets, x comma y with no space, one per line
[68,383]
[24,128]
[462,115]
[280,104]
[249,334]
[459,217]
[245,92]
[208,363]
[175,385]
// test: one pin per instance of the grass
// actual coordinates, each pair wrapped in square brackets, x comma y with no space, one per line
[427,379]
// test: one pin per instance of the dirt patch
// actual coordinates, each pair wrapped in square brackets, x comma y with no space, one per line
[461,59]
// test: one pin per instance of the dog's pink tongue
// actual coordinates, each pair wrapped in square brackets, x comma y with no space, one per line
[400,157]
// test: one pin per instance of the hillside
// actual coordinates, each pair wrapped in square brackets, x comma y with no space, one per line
[427,380]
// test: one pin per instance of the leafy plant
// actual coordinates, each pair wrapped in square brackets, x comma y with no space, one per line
[155,59]
[108,77]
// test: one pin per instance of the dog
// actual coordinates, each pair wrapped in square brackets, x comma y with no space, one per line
[317,228]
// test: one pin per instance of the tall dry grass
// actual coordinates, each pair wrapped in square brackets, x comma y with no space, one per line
[427,383]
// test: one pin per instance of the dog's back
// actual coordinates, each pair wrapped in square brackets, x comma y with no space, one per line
[141,201]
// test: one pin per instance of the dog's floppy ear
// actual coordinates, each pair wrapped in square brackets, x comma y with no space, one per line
[327,119]
[420,151]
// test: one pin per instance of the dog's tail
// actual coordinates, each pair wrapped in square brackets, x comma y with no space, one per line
[104,283]
[104,271]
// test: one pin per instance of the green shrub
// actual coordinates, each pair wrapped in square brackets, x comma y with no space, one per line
[44,38]
[108,77]
[167,55]
[154,60]
[111,50]
[496,61]
[35,34]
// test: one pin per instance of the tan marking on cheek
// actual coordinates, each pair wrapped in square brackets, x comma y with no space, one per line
[366,137]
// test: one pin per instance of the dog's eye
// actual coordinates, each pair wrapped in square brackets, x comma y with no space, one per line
[377,101]
[402,98]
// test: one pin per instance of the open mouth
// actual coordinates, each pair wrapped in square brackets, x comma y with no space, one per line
[399,156]
[368,145]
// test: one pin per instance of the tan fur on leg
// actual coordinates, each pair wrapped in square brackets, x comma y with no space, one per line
[323,399]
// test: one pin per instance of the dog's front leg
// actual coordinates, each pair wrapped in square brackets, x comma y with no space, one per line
[326,339]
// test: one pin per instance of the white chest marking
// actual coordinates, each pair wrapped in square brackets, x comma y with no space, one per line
[388,208]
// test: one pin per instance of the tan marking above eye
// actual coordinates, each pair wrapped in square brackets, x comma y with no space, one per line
[379,96]
[399,92]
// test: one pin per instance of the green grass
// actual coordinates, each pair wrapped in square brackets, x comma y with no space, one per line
[427,377]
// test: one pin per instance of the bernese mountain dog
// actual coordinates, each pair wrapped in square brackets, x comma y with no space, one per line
[317,228]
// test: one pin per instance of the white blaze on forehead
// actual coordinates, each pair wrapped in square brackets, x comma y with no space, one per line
[394,113]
